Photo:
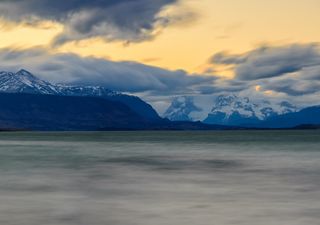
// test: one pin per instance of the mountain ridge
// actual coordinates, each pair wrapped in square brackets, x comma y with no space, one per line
[241,111]
[180,109]
[308,117]
[38,112]
[228,109]
[25,82]
[111,110]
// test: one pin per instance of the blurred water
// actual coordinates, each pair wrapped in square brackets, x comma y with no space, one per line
[160,178]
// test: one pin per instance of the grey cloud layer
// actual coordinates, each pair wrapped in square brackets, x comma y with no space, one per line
[293,72]
[293,69]
[120,76]
[131,20]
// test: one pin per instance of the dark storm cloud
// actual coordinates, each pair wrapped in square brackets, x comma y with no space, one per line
[120,76]
[130,20]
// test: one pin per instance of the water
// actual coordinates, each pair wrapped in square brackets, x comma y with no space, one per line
[160,178]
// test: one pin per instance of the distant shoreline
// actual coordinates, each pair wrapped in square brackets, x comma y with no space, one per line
[300,127]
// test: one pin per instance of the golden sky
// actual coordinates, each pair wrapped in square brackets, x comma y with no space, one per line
[235,26]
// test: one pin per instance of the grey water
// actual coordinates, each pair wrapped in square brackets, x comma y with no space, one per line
[160,178]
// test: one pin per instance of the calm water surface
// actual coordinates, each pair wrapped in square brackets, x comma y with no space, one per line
[160,178]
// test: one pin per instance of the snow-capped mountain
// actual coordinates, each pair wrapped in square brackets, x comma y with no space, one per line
[226,110]
[180,109]
[231,104]
[234,110]
[25,82]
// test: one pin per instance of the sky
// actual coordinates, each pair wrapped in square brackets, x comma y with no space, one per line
[159,49]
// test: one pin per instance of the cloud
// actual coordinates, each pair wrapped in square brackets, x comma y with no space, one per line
[267,62]
[120,76]
[127,20]
[293,70]
[135,77]
[158,85]
[227,59]
[292,85]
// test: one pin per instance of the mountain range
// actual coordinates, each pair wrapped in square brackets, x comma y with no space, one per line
[232,110]
[181,109]
[29,103]
[25,82]
[240,111]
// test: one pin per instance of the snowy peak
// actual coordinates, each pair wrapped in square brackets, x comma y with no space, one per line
[226,109]
[181,108]
[26,74]
[24,82]
[234,110]
[227,100]
[230,104]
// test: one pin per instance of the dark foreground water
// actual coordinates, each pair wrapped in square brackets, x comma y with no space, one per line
[160,178]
